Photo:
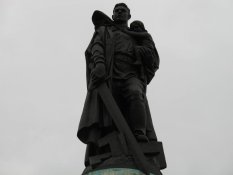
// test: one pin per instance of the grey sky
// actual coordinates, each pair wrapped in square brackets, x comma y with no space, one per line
[42,83]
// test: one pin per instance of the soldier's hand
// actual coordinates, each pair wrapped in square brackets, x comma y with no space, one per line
[97,75]
[98,71]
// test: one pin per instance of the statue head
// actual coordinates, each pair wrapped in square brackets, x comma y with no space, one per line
[137,26]
[121,13]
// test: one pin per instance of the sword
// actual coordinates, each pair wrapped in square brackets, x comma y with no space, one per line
[123,127]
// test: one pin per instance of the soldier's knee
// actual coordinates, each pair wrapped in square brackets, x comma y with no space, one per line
[135,94]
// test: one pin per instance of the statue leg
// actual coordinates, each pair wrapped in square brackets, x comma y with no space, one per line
[118,94]
[133,91]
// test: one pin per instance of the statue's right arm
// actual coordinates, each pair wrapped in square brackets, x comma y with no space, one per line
[98,71]
[97,46]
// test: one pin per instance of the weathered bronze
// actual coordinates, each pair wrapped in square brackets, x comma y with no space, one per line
[116,122]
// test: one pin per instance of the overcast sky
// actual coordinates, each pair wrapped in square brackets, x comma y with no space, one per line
[43,86]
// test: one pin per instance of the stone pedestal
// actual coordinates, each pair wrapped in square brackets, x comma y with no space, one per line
[117,171]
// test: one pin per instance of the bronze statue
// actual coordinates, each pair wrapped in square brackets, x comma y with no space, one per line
[125,60]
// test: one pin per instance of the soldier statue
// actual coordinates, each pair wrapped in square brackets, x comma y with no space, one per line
[125,60]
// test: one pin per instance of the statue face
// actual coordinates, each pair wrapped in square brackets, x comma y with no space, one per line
[121,14]
[136,28]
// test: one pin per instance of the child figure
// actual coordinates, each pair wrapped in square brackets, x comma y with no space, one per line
[145,49]
[141,35]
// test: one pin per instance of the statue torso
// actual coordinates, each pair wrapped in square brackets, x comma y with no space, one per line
[124,56]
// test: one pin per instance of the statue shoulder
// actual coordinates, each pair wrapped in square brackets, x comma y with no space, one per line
[103,31]
[100,29]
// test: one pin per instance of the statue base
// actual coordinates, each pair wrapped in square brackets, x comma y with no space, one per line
[120,165]
[118,155]
[117,171]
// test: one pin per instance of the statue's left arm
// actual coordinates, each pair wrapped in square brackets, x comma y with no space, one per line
[150,57]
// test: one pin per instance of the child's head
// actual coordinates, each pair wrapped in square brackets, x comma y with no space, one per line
[137,26]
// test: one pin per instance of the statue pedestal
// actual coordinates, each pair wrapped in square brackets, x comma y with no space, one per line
[117,171]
